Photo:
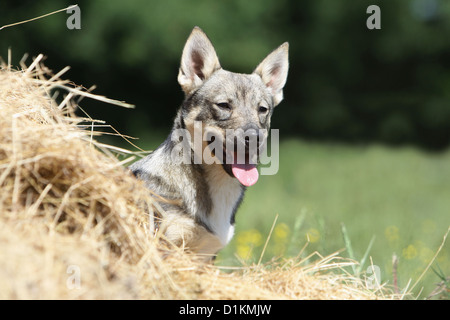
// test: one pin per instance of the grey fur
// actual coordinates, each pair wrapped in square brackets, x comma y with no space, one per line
[205,197]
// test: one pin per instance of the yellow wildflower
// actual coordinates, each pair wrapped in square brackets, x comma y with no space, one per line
[410,252]
[313,235]
[391,233]
[281,231]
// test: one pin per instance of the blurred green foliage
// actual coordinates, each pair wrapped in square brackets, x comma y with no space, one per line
[346,82]
[391,201]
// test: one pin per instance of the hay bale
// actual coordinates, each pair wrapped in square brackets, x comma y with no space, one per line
[58,186]
[75,224]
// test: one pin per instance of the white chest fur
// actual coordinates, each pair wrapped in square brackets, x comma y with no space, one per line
[224,192]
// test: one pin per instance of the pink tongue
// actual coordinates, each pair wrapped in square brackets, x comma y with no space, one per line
[247,174]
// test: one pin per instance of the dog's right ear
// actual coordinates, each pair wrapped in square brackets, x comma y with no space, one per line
[198,62]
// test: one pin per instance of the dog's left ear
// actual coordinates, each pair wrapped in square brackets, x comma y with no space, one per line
[274,70]
[198,62]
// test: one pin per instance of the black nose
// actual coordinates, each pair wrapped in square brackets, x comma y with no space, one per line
[251,135]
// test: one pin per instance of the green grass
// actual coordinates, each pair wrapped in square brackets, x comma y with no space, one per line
[371,202]
[390,201]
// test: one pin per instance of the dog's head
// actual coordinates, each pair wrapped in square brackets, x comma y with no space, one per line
[234,109]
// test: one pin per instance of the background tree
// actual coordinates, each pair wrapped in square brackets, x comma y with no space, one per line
[346,82]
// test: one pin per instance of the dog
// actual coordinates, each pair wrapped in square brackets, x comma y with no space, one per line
[204,186]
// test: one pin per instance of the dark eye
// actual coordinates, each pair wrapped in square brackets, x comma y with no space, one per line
[262,109]
[223,105]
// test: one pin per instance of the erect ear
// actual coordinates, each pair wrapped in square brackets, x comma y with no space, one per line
[273,71]
[198,62]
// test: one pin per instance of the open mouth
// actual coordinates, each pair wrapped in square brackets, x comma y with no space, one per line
[246,172]
[238,162]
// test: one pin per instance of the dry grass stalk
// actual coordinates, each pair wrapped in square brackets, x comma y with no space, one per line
[67,205]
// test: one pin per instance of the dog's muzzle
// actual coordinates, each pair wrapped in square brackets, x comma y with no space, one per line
[241,160]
